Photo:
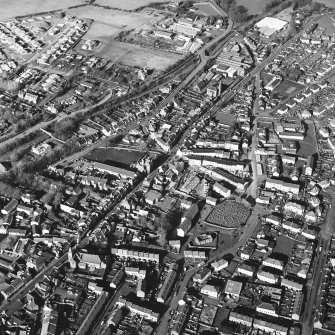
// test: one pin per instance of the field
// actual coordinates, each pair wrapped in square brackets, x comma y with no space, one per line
[327,23]
[285,14]
[111,155]
[127,4]
[12,8]
[254,6]
[228,214]
[110,22]
[206,9]
[328,3]
[287,87]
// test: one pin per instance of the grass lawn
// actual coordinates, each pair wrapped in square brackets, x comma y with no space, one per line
[309,145]
[284,245]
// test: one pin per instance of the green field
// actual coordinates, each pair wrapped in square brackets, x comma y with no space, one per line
[286,88]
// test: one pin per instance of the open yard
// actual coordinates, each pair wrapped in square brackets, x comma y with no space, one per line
[127,4]
[12,8]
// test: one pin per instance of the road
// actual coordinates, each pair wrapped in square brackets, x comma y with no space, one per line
[30,286]
[313,286]
[253,219]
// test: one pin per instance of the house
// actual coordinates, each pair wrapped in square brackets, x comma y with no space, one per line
[10,207]
[240,319]
[280,185]
[233,288]
[273,263]
[220,189]
[211,291]
[219,265]
[152,197]
[267,308]
[246,270]
[267,277]
[202,276]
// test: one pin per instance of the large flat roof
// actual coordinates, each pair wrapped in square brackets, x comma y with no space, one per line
[270,25]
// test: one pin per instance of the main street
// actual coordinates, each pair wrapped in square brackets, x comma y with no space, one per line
[253,219]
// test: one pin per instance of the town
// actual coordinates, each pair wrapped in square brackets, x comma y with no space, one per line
[167,167]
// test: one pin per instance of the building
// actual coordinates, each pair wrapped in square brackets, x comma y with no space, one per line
[233,288]
[246,270]
[179,320]
[267,308]
[270,328]
[267,277]
[291,285]
[135,272]
[146,313]
[273,263]
[123,173]
[282,186]
[219,265]
[220,189]
[202,276]
[195,256]
[168,283]
[211,291]
[240,319]
[137,255]
[270,25]
[49,321]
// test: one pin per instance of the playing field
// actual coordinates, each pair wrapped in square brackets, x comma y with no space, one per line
[287,87]
[127,4]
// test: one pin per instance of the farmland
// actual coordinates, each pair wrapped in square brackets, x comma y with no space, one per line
[108,22]
[30,7]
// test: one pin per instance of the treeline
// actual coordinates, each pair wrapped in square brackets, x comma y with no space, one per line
[237,13]
[20,141]
[277,3]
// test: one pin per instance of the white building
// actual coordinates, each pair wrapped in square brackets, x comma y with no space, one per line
[211,291]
